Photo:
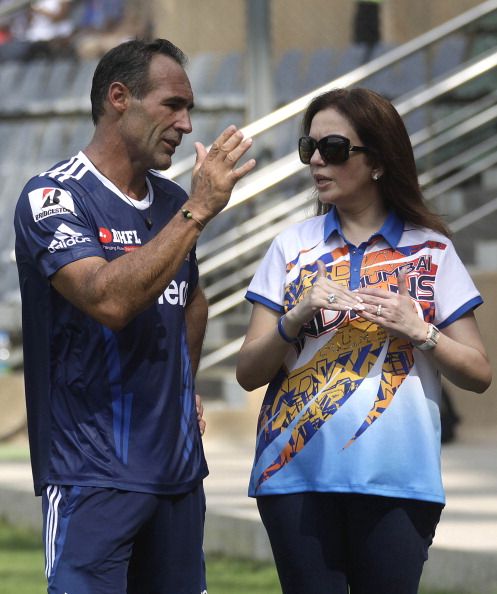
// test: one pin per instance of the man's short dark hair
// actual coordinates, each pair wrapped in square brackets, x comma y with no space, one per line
[129,64]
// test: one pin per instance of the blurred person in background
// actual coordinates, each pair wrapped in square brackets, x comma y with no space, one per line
[5,32]
[357,312]
[366,25]
[103,24]
[100,15]
[50,28]
[113,324]
[13,25]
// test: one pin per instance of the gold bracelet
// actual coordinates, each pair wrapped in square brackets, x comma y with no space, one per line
[188,215]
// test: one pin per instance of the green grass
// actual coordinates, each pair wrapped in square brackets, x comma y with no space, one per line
[21,569]
[233,576]
[14,453]
[21,562]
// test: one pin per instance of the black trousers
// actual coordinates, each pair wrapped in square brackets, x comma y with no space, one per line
[332,543]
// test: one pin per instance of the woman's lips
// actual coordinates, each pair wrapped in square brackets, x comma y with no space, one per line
[321,181]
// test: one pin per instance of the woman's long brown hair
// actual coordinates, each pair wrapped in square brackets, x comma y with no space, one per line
[382,130]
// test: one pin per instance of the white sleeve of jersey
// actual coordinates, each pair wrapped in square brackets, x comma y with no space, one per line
[268,283]
[455,291]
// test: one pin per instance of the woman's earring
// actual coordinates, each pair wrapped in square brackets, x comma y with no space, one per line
[376,176]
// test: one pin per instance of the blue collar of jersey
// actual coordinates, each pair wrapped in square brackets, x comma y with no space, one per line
[391,230]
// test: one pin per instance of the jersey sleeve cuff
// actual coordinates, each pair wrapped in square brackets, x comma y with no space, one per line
[256,298]
[468,306]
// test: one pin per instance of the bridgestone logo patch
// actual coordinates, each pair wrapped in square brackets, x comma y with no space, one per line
[48,202]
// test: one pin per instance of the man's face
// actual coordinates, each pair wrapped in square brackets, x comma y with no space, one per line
[154,125]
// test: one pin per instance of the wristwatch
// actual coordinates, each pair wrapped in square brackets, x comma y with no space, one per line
[431,339]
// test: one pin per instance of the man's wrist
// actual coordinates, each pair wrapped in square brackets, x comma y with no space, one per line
[189,215]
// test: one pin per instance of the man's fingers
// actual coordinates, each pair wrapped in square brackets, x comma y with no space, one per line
[233,151]
[200,150]
[200,412]
[218,146]
[244,169]
[216,172]
[201,154]
[226,141]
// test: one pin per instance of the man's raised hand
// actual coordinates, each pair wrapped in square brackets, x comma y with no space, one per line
[215,172]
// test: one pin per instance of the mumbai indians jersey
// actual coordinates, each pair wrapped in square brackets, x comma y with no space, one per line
[352,409]
[105,408]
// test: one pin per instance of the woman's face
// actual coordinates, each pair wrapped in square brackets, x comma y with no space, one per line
[348,185]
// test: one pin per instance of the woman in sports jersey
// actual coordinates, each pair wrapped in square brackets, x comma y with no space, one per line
[356,314]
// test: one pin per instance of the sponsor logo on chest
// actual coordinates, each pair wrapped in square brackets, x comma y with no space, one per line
[175,294]
[119,240]
[128,237]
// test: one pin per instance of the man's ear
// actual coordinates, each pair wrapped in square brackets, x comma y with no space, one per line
[118,96]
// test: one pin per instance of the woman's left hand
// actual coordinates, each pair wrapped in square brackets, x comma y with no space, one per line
[396,312]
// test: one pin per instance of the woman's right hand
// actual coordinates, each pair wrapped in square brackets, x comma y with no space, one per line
[324,294]
[264,349]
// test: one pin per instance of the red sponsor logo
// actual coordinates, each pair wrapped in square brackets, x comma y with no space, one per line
[104,235]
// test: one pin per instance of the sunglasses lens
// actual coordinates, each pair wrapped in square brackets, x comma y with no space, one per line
[307,146]
[334,150]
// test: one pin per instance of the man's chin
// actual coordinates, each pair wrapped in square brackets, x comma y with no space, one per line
[163,162]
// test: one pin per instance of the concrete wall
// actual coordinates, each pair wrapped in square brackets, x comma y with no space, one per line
[219,25]
[405,19]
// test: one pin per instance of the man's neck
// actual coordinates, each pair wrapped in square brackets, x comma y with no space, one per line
[120,173]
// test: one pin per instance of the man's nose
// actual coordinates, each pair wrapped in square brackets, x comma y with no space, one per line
[184,122]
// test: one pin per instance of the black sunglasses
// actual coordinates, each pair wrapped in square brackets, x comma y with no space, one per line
[334,149]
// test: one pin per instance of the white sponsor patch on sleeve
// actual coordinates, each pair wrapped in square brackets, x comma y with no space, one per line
[48,202]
